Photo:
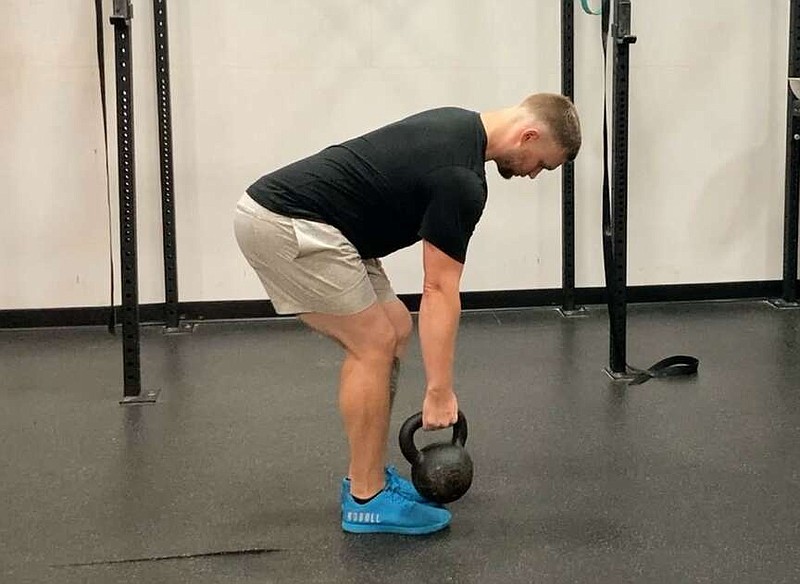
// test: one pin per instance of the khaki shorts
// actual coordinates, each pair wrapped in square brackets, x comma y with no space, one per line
[307,266]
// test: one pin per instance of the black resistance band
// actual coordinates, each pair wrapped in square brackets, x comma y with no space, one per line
[98,11]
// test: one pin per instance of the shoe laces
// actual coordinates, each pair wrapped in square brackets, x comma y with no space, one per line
[393,475]
[396,495]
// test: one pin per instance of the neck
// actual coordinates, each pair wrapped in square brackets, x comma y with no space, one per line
[498,125]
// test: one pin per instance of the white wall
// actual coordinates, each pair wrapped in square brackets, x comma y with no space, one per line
[257,84]
[53,211]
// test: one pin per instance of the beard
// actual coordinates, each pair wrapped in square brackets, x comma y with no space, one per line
[505,166]
[505,171]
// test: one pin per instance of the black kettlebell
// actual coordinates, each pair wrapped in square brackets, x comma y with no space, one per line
[442,471]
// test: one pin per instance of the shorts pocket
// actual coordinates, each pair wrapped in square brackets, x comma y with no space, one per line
[314,237]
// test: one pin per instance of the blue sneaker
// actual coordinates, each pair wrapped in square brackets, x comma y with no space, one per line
[391,512]
[402,485]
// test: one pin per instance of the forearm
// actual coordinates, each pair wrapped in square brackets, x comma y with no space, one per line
[438,325]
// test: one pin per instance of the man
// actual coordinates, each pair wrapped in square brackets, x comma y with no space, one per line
[315,230]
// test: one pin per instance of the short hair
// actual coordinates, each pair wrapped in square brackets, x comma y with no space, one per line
[560,115]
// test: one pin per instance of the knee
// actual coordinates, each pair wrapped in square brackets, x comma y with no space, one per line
[382,342]
[403,327]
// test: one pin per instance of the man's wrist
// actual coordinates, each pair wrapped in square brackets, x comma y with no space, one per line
[439,390]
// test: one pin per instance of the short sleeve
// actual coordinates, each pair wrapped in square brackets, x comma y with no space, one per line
[457,199]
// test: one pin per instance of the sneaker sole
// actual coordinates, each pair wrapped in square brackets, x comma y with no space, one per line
[415,500]
[372,528]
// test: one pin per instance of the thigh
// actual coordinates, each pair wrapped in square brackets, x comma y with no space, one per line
[360,333]
[400,318]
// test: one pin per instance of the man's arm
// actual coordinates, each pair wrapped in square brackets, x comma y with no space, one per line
[439,313]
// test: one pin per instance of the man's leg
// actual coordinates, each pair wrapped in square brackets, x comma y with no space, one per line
[370,343]
[310,269]
[396,312]
[400,318]
[403,325]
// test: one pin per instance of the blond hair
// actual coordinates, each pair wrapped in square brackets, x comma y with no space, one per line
[560,115]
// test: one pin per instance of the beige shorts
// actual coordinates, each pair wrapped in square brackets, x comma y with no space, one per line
[307,266]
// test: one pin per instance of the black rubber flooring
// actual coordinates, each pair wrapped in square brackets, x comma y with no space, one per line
[578,478]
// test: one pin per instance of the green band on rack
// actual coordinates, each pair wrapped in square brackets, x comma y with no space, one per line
[588,9]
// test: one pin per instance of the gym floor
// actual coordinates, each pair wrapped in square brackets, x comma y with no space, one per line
[578,479]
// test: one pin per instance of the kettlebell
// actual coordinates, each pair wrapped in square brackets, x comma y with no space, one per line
[442,471]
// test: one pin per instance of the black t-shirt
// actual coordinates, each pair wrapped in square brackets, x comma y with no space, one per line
[419,178]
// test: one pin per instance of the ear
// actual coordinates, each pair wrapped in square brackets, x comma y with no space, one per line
[530,134]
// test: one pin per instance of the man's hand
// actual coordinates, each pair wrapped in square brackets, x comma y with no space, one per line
[439,410]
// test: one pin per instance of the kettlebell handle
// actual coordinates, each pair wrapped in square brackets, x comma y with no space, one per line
[414,423]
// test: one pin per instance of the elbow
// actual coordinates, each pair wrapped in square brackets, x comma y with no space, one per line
[432,286]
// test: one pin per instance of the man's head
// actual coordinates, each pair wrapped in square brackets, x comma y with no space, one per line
[541,133]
